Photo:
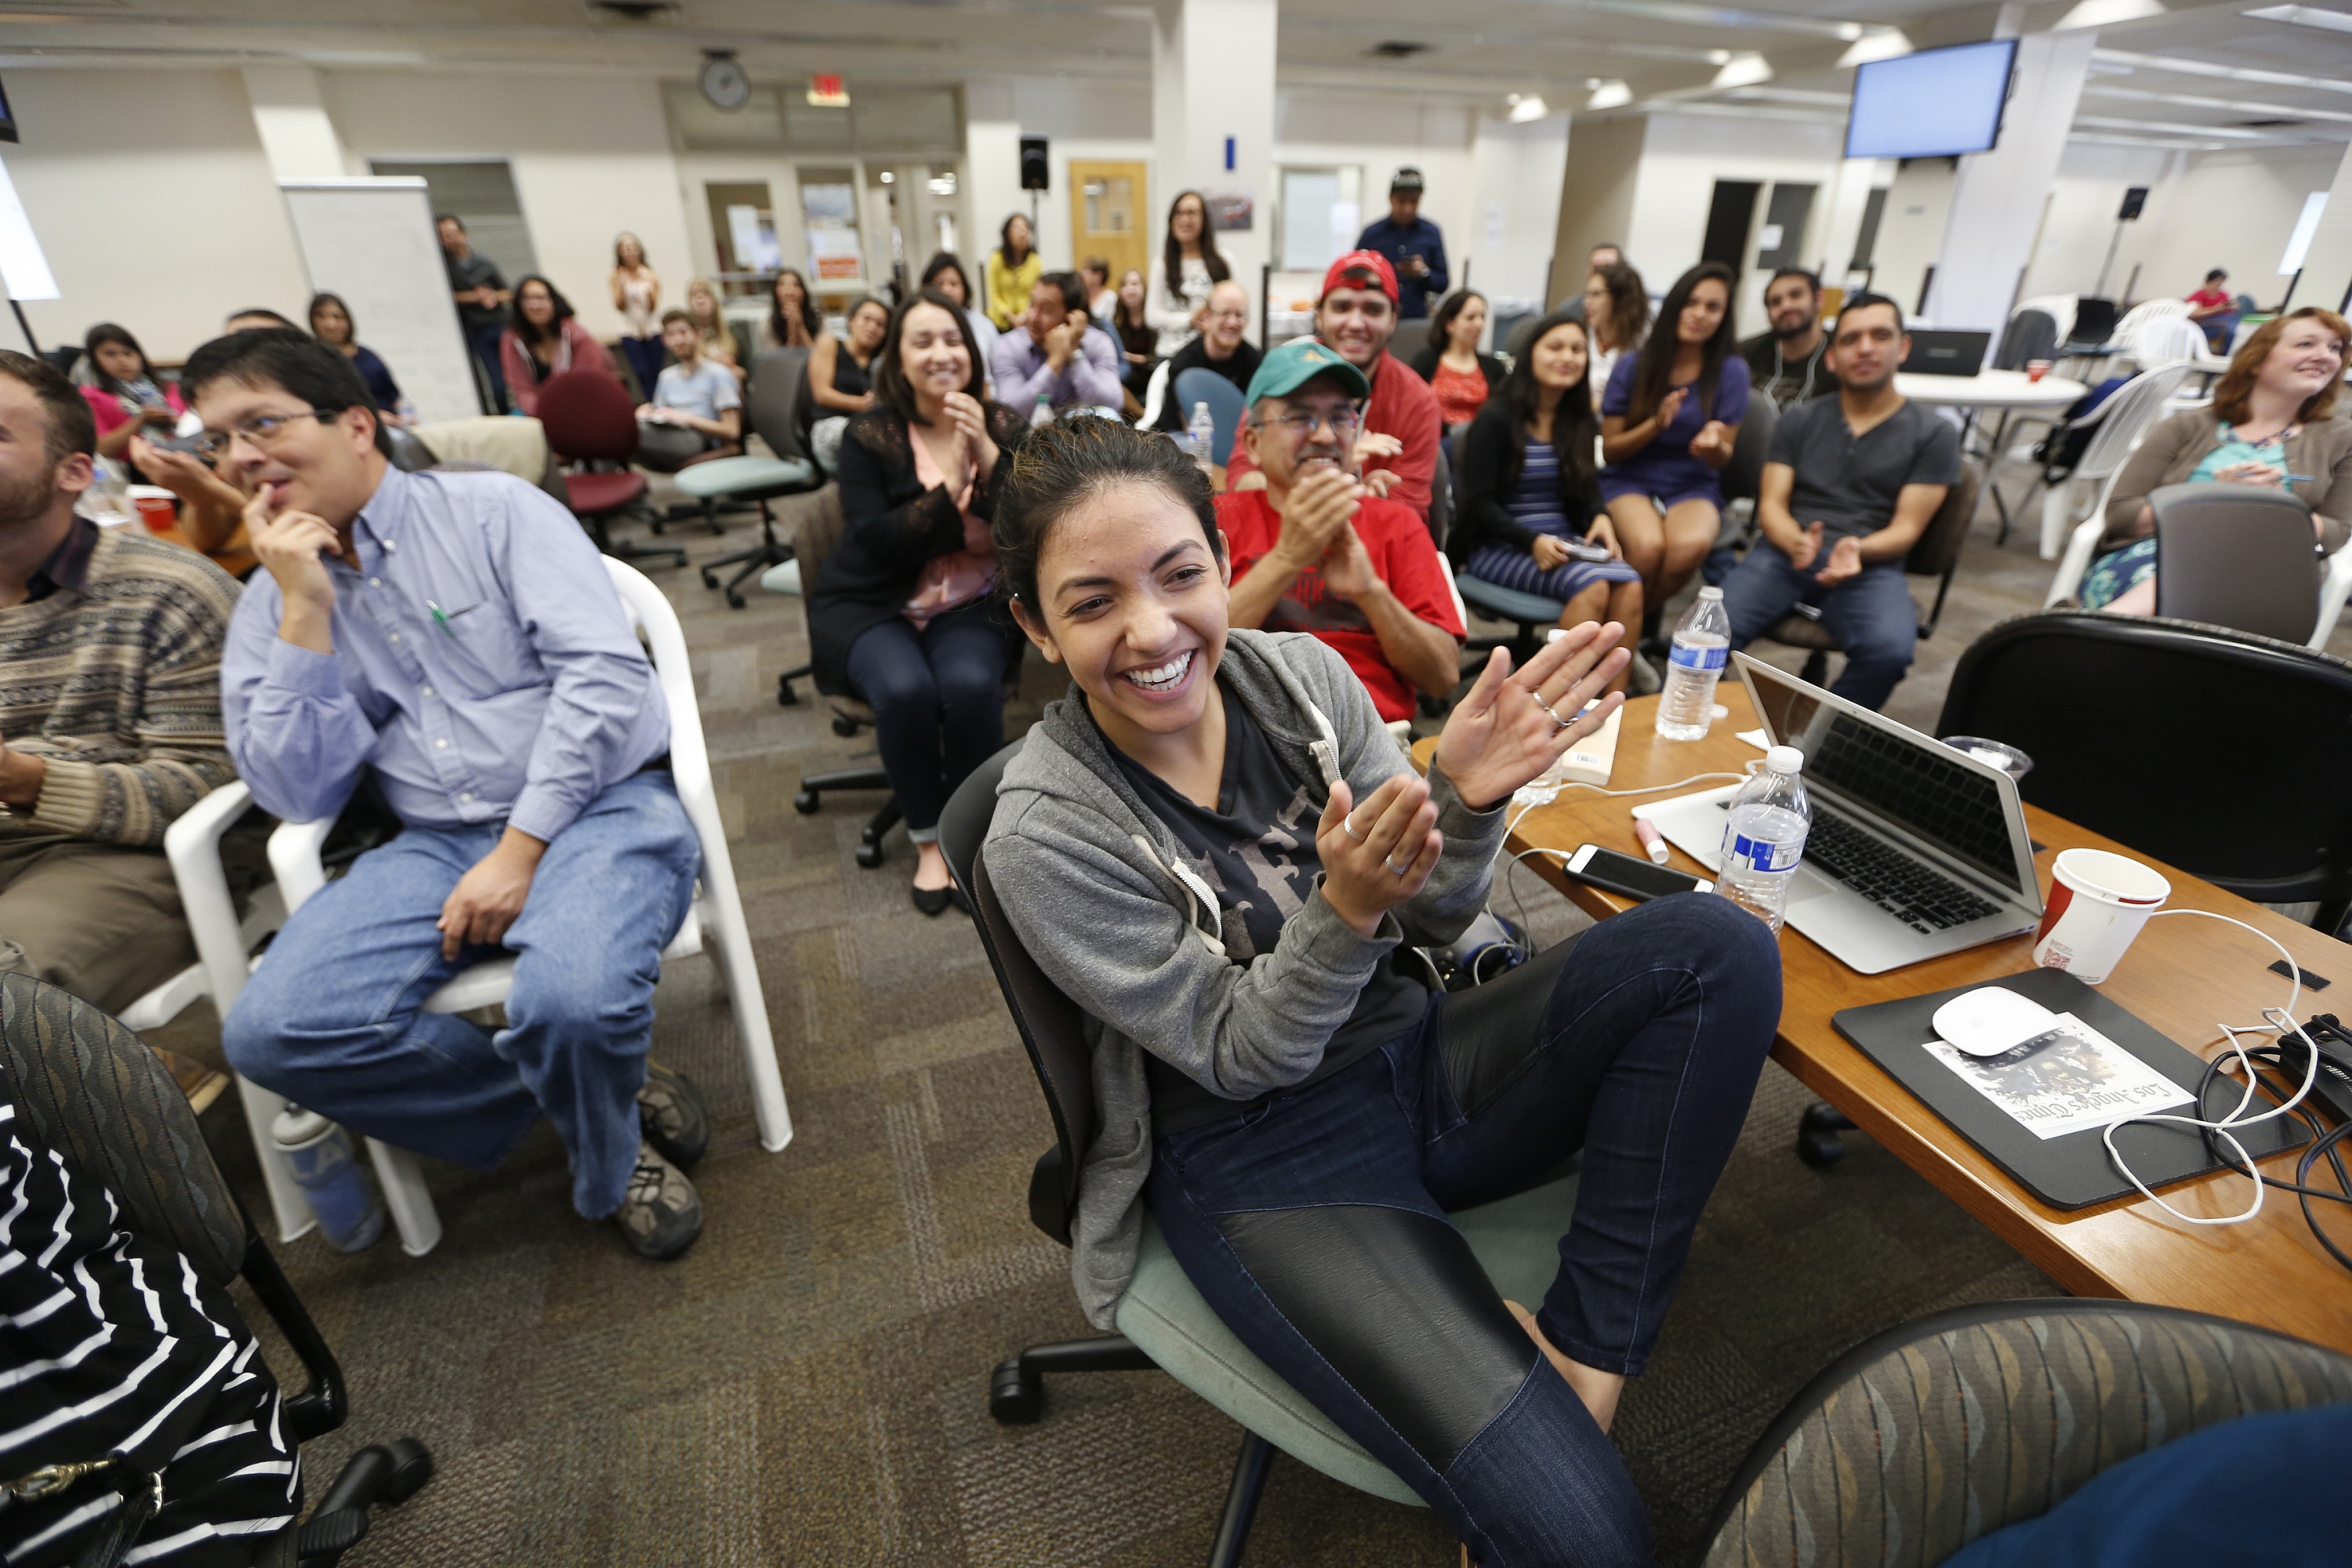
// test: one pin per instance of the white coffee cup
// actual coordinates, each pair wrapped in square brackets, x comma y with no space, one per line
[2098,901]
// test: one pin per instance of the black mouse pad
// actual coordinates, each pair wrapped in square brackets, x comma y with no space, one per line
[2073,1171]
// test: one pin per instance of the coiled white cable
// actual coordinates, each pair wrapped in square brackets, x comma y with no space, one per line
[2276,1021]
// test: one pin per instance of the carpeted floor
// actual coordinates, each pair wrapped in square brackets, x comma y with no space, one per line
[808,1386]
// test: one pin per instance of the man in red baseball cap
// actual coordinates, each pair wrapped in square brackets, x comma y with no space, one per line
[1356,317]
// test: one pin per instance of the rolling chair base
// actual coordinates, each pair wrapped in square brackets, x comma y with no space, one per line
[758,559]
[628,550]
[869,837]
[1817,1134]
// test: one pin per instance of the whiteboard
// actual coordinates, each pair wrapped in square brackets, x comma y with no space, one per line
[372,241]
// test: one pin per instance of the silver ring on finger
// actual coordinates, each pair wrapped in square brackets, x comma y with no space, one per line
[1400,870]
[1557,722]
[1348,827]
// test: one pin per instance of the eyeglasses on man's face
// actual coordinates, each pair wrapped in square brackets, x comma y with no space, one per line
[261,430]
[1301,423]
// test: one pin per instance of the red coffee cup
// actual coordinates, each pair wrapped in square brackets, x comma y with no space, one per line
[158,508]
[2036,369]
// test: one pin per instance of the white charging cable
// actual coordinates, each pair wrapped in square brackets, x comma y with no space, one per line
[2276,1021]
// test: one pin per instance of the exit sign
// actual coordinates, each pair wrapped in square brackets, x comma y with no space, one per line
[827,92]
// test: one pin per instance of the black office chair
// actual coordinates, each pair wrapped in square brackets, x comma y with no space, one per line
[96,1095]
[2216,750]
[1936,554]
[820,531]
[1741,480]
[778,388]
[1163,1321]
[2031,335]
[1924,1438]
[2237,556]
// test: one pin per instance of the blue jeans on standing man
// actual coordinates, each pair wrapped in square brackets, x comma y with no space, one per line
[1313,1221]
[1870,613]
[484,342]
[333,1019]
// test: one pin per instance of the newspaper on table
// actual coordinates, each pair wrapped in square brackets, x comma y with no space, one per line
[2068,1077]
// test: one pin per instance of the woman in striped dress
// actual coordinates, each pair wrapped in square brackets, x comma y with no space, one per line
[1528,515]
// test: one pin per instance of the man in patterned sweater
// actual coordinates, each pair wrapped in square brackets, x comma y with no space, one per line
[110,709]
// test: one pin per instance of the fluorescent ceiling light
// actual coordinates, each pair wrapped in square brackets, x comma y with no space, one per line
[2306,16]
[1886,44]
[1849,31]
[2227,73]
[2106,13]
[1743,70]
[2225,105]
[1609,95]
[1529,108]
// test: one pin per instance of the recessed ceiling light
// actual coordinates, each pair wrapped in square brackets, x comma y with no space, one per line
[2306,16]
[1531,107]
[1886,44]
[1718,57]
[1609,95]
[2106,13]
[1743,70]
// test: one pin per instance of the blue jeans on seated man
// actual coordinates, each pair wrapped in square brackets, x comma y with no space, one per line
[1313,1222]
[333,1017]
[1871,615]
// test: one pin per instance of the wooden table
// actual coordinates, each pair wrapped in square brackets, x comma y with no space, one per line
[2182,976]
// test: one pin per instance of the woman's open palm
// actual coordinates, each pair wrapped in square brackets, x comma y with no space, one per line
[1503,733]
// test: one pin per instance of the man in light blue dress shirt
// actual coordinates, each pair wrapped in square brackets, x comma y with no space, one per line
[1058,353]
[457,635]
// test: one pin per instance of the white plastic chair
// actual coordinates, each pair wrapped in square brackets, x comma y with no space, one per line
[2122,419]
[2168,340]
[717,913]
[2127,331]
[1155,393]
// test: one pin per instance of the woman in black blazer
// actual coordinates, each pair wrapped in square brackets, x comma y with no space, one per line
[902,615]
[1450,362]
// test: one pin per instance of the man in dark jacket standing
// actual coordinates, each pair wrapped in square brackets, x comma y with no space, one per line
[1413,245]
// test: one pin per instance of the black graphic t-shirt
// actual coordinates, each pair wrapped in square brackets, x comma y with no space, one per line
[1257,850]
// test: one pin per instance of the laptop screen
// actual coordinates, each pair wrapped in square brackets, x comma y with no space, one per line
[1921,786]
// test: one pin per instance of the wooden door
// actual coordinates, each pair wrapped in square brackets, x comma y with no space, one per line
[1109,217]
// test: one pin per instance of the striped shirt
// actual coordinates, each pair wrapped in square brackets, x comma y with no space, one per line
[111,1344]
[111,673]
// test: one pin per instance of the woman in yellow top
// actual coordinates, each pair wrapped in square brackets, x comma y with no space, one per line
[1013,271]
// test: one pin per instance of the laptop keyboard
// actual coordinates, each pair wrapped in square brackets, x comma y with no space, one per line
[1926,900]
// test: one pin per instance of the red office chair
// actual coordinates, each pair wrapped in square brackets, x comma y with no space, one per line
[589,419]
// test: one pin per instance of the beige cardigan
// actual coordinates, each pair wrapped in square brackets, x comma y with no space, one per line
[2174,446]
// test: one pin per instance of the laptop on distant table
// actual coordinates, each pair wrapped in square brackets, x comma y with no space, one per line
[1947,354]
[1915,849]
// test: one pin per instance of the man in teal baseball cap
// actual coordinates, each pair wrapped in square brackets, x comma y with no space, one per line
[1317,552]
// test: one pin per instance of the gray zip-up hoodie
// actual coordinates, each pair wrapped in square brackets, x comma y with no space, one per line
[1105,900]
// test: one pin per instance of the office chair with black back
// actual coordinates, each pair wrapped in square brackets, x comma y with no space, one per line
[820,531]
[1741,480]
[1939,1432]
[1162,1321]
[2238,556]
[94,1094]
[778,388]
[1936,553]
[2218,751]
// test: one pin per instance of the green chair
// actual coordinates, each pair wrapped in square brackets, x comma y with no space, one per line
[1926,1437]
[1162,1321]
[779,380]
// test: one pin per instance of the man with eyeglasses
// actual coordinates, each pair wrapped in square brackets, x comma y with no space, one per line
[1219,345]
[456,635]
[1356,317]
[109,712]
[1314,550]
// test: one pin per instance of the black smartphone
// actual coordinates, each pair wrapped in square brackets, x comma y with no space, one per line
[1622,874]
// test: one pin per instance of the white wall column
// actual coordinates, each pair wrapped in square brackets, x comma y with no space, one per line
[289,111]
[991,151]
[1997,198]
[1212,82]
[1515,184]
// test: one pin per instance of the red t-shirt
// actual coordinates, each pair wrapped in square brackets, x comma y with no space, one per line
[2211,299]
[1402,554]
[1402,406]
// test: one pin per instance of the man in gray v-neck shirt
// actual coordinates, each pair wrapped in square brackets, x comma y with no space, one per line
[1851,484]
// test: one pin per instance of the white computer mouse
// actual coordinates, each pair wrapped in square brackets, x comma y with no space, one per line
[1991,1019]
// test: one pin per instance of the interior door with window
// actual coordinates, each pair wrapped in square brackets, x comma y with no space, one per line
[1107,210]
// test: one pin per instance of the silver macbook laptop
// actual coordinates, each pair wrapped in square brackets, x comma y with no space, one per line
[1915,850]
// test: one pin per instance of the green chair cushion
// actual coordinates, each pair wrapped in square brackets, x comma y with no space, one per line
[748,478]
[1509,603]
[1516,1241]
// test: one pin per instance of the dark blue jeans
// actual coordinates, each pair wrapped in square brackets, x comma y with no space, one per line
[1314,1224]
[937,697]
[1871,615]
[484,342]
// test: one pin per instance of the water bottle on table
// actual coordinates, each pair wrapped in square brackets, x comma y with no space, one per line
[1203,431]
[1042,415]
[1765,840]
[1702,646]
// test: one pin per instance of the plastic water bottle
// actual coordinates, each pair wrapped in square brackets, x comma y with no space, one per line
[1042,415]
[1204,429]
[1765,839]
[319,1153]
[1702,646]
